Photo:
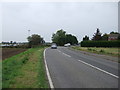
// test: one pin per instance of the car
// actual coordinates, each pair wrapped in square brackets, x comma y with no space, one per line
[67,45]
[54,46]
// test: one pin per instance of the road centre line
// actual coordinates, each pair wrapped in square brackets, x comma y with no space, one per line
[93,66]
[58,50]
[66,55]
[99,69]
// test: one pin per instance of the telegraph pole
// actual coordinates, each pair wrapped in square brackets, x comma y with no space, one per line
[28,33]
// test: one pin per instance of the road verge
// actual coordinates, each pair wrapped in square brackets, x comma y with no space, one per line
[25,70]
[97,52]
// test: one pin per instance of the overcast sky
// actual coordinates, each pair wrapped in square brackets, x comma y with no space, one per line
[79,19]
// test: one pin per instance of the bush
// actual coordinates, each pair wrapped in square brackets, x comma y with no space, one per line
[100,44]
[89,49]
[101,51]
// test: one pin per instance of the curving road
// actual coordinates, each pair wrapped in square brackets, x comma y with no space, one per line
[73,69]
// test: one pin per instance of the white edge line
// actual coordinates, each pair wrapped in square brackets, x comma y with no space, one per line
[98,69]
[48,74]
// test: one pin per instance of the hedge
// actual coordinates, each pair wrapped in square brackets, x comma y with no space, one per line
[100,43]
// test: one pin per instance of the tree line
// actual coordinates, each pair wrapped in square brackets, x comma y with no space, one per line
[8,43]
[61,38]
[99,40]
[99,37]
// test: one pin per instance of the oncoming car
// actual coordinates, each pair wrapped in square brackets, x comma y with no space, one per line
[67,45]
[54,46]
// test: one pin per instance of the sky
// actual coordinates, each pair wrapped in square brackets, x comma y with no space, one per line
[45,18]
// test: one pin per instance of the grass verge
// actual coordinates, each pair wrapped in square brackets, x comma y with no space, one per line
[25,70]
[99,50]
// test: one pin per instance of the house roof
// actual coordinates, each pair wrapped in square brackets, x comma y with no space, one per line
[113,35]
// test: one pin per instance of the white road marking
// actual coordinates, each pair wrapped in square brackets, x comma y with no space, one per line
[47,71]
[66,55]
[58,50]
[93,66]
[98,69]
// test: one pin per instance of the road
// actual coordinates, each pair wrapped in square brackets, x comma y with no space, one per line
[73,69]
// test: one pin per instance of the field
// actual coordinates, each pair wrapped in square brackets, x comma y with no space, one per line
[105,51]
[25,70]
[8,52]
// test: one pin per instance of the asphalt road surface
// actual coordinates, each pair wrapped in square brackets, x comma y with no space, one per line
[73,69]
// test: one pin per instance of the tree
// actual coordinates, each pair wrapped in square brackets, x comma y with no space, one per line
[86,38]
[35,39]
[114,32]
[105,37]
[59,38]
[11,43]
[71,39]
[97,35]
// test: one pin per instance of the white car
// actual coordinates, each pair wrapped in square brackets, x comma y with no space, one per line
[53,46]
[67,45]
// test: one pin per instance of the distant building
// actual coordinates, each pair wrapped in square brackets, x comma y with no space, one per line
[113,37]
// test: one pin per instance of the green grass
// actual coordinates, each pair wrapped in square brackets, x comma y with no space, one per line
[99,50]
[25,70]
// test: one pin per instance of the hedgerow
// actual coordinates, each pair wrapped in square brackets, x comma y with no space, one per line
[100,43]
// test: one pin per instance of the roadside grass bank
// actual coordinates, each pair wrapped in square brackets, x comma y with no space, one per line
[25,70]
[99,50]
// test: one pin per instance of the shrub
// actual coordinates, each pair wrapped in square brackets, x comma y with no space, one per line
[101,51]
[89,49]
